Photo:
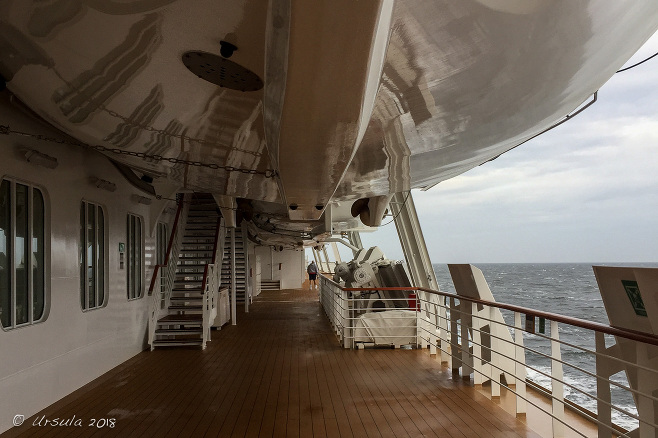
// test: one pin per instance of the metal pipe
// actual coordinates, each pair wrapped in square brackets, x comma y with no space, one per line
[338,240]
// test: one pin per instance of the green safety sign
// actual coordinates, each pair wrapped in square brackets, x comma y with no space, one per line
[633,292]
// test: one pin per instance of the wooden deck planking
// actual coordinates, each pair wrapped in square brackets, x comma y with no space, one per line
[280,372]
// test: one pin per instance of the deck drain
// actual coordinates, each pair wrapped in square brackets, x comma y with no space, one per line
[221,71]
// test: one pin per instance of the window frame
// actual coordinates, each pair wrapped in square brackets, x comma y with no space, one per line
[11,248]
[83,253]
[130,249]
[161,246]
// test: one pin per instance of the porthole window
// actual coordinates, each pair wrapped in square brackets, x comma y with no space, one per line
[22,254]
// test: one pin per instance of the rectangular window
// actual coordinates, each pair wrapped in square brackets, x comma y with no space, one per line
[161,254]
[92,256]
[135,260]
[22,254]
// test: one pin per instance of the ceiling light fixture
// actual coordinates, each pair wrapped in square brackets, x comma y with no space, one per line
[104,184]
[141,199]
[40,159]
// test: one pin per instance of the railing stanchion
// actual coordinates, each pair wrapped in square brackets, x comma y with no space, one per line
[419,321]
[557,385]
[520,369]
[467,359]
[478,377]
[434,328]
[443,328]
[454,337]
[495,361]
[603,372]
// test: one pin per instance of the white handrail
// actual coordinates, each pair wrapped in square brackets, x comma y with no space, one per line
[213,280]
[161,294]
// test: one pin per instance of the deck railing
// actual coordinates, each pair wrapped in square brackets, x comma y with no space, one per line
[212,279]
[161,293]
[587,372]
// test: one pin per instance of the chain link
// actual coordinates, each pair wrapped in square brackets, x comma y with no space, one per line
[269,173]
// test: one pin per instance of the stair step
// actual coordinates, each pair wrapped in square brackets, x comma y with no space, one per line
[186,331]
[177,342]
[186,299]
[181,320]
[202,214]
[188,308]
[187,290]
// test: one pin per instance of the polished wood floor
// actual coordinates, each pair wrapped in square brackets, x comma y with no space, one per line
[280,372]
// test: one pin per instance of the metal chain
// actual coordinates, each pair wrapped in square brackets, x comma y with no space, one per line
[142,126]
[269,173]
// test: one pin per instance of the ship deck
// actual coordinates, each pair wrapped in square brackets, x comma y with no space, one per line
[281,372]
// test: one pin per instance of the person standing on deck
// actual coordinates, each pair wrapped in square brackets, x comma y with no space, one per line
[312,271]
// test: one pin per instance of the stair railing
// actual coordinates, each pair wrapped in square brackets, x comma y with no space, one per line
[161,294]
[212,279]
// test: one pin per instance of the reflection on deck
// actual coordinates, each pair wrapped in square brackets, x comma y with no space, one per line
[280,372]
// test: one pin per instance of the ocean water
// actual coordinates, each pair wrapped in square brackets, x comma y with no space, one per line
[568,289]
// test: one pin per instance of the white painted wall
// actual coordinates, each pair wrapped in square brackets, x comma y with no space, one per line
[286,266]
[264,252]
[44,362]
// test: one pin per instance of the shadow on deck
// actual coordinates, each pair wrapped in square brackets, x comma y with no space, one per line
[280,372]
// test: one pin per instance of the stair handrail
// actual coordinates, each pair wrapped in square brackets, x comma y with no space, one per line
[163,294]
[211,281]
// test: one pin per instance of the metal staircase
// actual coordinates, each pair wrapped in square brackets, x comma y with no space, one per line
[240,265]
[183,323]
[270,285]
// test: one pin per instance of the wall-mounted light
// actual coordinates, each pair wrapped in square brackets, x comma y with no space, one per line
[141,199]
[40,159]
[104,184]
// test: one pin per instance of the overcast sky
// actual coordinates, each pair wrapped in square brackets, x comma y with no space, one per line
[586,191]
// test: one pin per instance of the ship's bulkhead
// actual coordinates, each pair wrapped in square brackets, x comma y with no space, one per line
[84,319]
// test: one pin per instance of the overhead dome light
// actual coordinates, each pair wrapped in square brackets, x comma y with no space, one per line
[220,71]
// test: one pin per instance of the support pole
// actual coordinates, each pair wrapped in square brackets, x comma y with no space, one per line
[233,282]
[412,241]
[326,257]
[334,248]
[247,279]
[355,239]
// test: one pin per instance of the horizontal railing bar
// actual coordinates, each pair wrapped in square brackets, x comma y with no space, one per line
[548,338]
[615,331]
